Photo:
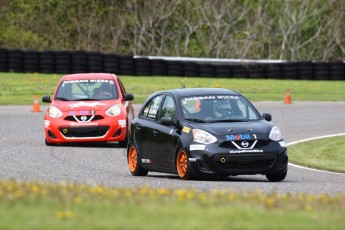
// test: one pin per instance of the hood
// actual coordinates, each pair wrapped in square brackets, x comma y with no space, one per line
[225,128]
[65,106]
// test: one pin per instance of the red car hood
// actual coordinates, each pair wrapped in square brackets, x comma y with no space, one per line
[84,105]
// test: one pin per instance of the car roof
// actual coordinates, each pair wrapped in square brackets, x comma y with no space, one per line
[78,76]
[185,92]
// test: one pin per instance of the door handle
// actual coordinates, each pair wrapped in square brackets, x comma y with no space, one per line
[155,132]
[137,128]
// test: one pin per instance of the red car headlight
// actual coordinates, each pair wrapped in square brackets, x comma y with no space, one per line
[114,110]
[54,112]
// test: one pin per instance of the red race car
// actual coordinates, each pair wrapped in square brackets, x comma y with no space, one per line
[88,107]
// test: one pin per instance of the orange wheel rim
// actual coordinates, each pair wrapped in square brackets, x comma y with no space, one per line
[182,164]
[132,159]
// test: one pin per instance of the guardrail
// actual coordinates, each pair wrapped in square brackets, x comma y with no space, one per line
[64,62]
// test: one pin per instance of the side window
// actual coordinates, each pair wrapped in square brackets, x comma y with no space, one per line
[151,109]
[168,109]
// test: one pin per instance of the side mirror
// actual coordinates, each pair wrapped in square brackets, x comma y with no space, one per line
[46,99]
[267,116]
[168,121]
[128,97]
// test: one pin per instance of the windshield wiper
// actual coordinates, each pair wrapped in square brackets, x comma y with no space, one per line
[86,99]
[61,99]
[195,120]
[226,120]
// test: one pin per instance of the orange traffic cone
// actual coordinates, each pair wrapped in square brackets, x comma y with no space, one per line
[36,107]
[287,97]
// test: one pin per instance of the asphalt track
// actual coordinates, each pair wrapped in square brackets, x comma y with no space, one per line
[25,157]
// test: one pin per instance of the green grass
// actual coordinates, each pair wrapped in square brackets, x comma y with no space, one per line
[325,154]
[47,206]
[19,89]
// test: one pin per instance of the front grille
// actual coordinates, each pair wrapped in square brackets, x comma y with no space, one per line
[78,118]
[80,132]
[230,145]
[246,162]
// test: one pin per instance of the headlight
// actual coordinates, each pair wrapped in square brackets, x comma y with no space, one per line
[54,112]
[113,111]
[275,134]
[203,137]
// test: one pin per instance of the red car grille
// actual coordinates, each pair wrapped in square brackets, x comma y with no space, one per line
[79,118]
[81,132]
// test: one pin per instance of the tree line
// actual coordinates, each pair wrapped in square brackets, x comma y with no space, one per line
[293,30]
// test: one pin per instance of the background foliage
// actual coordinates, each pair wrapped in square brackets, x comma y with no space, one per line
[263,29]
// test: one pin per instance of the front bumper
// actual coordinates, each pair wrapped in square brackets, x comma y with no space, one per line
[219,161]
[105,130]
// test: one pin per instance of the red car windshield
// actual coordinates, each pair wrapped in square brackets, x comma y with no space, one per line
[87,90]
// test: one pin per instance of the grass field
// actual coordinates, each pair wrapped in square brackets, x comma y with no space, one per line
[19,89]
[70,206]
[324,154]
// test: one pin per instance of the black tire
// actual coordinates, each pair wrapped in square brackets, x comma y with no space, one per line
[47,62]
[174,68]
[275,177]
[31,62]
[79,62]
[223,71]
[133,163]
[190,69]
[95,62]
[111,63]
[63,62]
[142,67]
[158,68]
[206,70]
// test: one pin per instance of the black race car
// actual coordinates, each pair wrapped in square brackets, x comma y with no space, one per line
[197,132]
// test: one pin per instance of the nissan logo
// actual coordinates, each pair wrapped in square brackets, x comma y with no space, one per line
[244,144]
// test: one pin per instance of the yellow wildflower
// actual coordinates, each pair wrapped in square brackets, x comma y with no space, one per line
[308,207]
[163,192]
[181,194]
[269,202]
[60,214]
[78,200]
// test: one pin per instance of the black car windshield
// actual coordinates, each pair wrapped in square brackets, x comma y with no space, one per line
[87,90]
[218,108]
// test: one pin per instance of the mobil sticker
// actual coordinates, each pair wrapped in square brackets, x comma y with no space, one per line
[238,137]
